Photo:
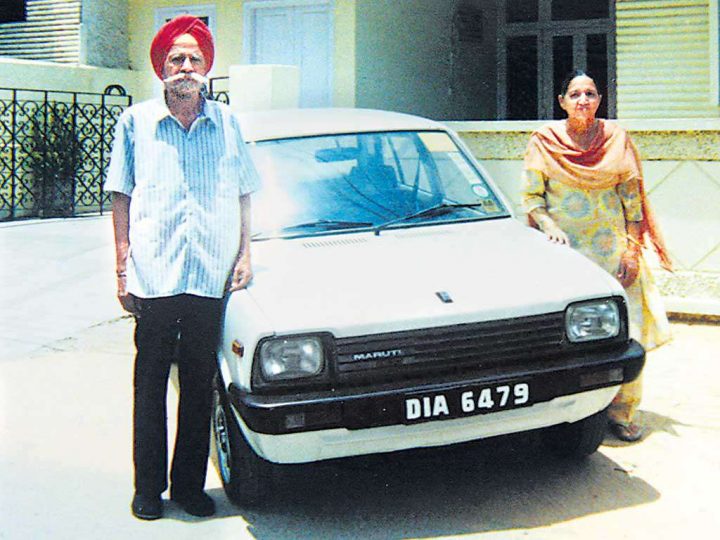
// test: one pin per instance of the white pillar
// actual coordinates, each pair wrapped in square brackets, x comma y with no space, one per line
[261,87]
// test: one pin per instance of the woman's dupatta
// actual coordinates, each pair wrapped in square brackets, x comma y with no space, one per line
[610,159]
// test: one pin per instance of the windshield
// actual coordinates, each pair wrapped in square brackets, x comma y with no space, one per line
[387,180]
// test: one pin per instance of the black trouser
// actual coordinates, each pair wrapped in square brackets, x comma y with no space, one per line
[190,326]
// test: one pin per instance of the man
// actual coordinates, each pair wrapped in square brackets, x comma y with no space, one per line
[181,178]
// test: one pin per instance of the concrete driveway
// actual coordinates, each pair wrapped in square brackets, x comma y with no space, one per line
[65,442]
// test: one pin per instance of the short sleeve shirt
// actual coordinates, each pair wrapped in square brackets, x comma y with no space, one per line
[184,188]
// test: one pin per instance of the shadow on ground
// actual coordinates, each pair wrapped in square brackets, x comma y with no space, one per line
[653,423]
[495,485]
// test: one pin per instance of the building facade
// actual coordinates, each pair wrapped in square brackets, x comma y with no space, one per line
[450,60]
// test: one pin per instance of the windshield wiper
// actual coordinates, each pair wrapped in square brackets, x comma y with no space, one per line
[432,211]
[326,224]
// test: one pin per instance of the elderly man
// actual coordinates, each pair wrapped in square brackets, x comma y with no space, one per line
[181,178]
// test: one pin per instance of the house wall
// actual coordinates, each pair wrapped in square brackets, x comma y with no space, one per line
[345,80]
[51,76]
[51,32]
[409,58]
[104,33]
[667,54]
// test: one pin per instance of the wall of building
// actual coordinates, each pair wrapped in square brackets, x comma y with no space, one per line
[51,32]
[667,58]
[345,65]
[52,76]
[409,58]
[104,34]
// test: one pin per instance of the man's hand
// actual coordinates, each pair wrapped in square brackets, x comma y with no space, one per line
[241,275]
[127,300]
[121,226]
[629,267]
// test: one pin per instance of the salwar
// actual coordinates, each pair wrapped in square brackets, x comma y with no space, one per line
[626,402]
[648,325]
[189,325]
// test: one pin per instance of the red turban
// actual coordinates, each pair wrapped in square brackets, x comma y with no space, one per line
[173,29]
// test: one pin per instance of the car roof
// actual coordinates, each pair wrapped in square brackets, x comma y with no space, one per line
[292,123]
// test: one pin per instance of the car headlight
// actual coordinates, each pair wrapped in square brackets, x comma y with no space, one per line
[283,359]
[588,321]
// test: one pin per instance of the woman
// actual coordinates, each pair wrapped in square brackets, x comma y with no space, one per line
[584,188]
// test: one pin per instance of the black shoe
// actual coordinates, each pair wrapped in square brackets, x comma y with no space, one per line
[147,506]
[197,504]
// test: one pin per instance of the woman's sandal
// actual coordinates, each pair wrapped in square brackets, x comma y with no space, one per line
[626,431]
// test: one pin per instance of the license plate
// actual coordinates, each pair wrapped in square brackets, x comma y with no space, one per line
[468,401]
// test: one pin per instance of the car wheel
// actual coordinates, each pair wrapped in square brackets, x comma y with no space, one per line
[246,477]
[576,440]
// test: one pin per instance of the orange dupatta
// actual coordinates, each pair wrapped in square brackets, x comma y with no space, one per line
[610,159]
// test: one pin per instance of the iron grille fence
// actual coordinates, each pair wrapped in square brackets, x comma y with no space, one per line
[219,89]
[54,150]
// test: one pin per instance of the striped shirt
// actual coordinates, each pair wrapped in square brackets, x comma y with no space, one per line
[185,188]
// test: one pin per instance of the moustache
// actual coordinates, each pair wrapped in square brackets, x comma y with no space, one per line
[180,76]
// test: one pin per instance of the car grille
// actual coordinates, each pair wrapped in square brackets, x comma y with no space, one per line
[475,346]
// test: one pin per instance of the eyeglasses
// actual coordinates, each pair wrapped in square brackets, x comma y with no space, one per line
[178,60]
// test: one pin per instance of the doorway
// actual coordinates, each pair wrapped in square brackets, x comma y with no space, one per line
[298,33]
[540,41]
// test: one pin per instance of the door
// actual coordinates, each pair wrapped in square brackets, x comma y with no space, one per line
[297,33]
[540,42]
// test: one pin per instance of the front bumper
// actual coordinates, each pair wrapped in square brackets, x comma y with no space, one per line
[312,446]
[361,409]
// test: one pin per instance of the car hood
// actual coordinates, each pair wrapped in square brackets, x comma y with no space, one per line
[361,283]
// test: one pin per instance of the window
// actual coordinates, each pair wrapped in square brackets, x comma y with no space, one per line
[521,11]
[12,11]
[540,41]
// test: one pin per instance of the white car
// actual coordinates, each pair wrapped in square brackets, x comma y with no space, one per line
[397,304]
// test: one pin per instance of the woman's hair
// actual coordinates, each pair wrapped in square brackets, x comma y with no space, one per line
[569,78]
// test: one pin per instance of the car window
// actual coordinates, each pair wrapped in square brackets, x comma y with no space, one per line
[403,153]
[315,184]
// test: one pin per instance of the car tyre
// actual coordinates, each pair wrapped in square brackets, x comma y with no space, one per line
[576,440]
[246,477]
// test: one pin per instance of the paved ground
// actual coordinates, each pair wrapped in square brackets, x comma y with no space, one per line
[56,279]
[65,462]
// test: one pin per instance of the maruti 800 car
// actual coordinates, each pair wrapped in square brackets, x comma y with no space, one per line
[397,303]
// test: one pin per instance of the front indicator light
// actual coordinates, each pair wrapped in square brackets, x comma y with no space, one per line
[589,321]
[600,378]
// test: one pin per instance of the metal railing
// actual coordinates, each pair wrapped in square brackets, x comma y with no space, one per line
[218,90]
[54,149]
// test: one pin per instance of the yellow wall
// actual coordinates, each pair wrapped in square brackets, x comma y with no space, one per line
[345,30]
[229,41]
